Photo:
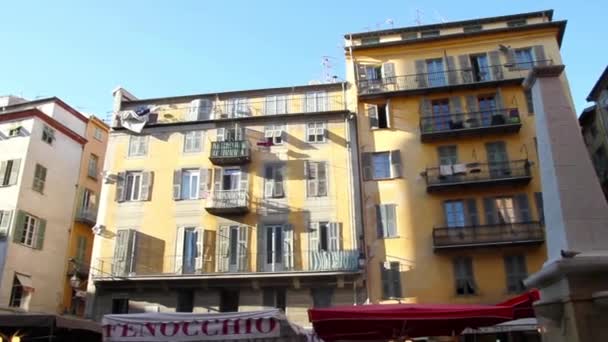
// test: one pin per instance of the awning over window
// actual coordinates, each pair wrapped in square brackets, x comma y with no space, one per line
[393,321]
[25,281]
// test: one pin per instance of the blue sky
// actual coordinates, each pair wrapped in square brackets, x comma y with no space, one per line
[81,50]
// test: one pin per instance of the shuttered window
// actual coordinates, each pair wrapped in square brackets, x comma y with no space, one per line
[138,145]
[315,132]
[386,220]
[29,230]
[273,181]
[48,135]
[274,134]
[5,222]
[190,184]
[316,179]
[9,172]
[538,198]
[529,102]
[381,165]
[464,277]
[516,272]
[134,186]
[391,280]
[39,178]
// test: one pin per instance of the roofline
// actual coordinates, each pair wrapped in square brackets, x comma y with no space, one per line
[34,112]
[586,114]
[561,25]
[338,85]
[60,102]
[99,122]
[598,84]
[548,13]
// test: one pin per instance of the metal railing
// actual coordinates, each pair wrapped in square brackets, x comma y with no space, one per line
[86,215]
[230,149]
[280,104]
[473,120]
[228,199]
[477,172]
[501,233]
[239,261]
[449,77]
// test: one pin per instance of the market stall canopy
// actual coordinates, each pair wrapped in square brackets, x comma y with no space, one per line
[269,325]
[29,320]
[392,321]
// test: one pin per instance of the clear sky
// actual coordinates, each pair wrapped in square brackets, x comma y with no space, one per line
[80,50]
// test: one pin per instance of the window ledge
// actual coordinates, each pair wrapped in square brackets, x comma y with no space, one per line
[389,237]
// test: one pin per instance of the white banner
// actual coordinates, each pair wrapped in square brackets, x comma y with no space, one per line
[192,326]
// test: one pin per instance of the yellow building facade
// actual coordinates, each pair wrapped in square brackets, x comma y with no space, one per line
[451,189]
[229,202]
[80,243]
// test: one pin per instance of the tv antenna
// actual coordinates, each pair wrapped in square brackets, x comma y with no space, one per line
[390,22]
[327,66]
[419,14]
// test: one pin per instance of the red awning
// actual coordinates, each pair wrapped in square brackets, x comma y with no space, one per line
[391,321]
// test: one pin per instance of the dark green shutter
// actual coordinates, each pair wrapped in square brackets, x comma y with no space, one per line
[538,198]
[529,101]
[391,220]
[379,221]
[386,286]
[395,280]
[372,113]
[18,227]
[489,206]
[472,215]
[40,233]
[523,208]
[366,162]
[465,67]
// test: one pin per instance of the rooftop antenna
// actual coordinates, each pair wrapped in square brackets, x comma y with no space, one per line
[390,22]
[441,18]
[419,14]
[327,69]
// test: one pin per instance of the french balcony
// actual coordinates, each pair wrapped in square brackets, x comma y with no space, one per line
[228,202]
[453,125]
[442,81]
[488,235]
[87,216]
[232,263]
[230,152]
[478,175]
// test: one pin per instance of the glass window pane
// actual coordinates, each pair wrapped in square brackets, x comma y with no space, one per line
[381,164]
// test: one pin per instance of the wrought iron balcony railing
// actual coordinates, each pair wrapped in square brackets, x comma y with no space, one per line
[478,174]
[230,152]
[491,234]
[87,215]
[229,262]
[455,124]
[228,201]
[447,78]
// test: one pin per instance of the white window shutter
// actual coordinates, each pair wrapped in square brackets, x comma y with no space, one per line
[12,180]
[288,246]
[147,178]
[334,236]
[388,113]
[244,184]
[268,181]
[221,134]
[204,183]
[243,248]
[223,255]
[396,164]
[5,220]
[200,243]
[193,109]
[313,237]
[205,107]
[179,250]
[177,184]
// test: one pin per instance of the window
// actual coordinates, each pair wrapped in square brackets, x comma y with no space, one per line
[192,142]
[275,298]
[381,165]
[316,101]
[138,145]
[276,104]
[15,132]
[448,155]
[524,58]
[370,40]
[233,252]
[463,275]
[190,184]
[529,102]
[189,250]
[274,134]
[373,72]
[428,34]
[325,236]
[20,291]
[237,108]
[454,213]
[409,35]
[378,116]
[391,280]
[273,181]
[133,186]
[185,301]
[386,221]
[321,297]
[506,210]
[39,178]
[88,200]
[81,249]
[538,198]
[515,269]
[98,133]
[29,232]
[315,132]
[435,72]
[48,135]
[472,28]
[120,305]
[481,69]
[441,114]
[229,300]
[516,22]
[316,179]
[93,162]
[9,172]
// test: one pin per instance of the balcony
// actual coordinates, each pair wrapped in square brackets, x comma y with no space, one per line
[446,80]
[488,235]
[476,175]
[228,202]
[233,265]
[497,121]
[86,216]
[230,152]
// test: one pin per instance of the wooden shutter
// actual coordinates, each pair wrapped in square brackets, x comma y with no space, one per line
[372,113]
[313,237]
[279,186]
[472,215]
[388,72]
[523,208]
[179,249]
[193,110]
[243,248]
[465,65]
[312,178]
[204,183]
[209,253]
[495,65]
[335,235]
[322,179]
[18,227]
[489,206]
[472,104]
[386,285]
[425,107]
[200,255]
[366,161]
[177,184]
[220,134]
[421,75]
[539,55]
[204,109]
[452,73]
[361,72]
[455,105]
[40,233]
[268,181]
[395,276]
[223,253]
[380,230]
[498,99]
[12,180]
[120,186]
[147,179]
[511,62]
[3,171]
[538,198]
[217,179]
[288,253]
[391,220]
[396,164]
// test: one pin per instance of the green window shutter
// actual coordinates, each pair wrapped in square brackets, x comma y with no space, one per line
[18,227]
[489,206]
[465,66]
[529,102]
[472,215]
[538,198]
[379,221]
[366,161]
[498,99]
[386,285]
[391,220]
[471,104]
[395,280]
[455,105]
[120,186]
[452,73]
[40,233]
[523,208]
